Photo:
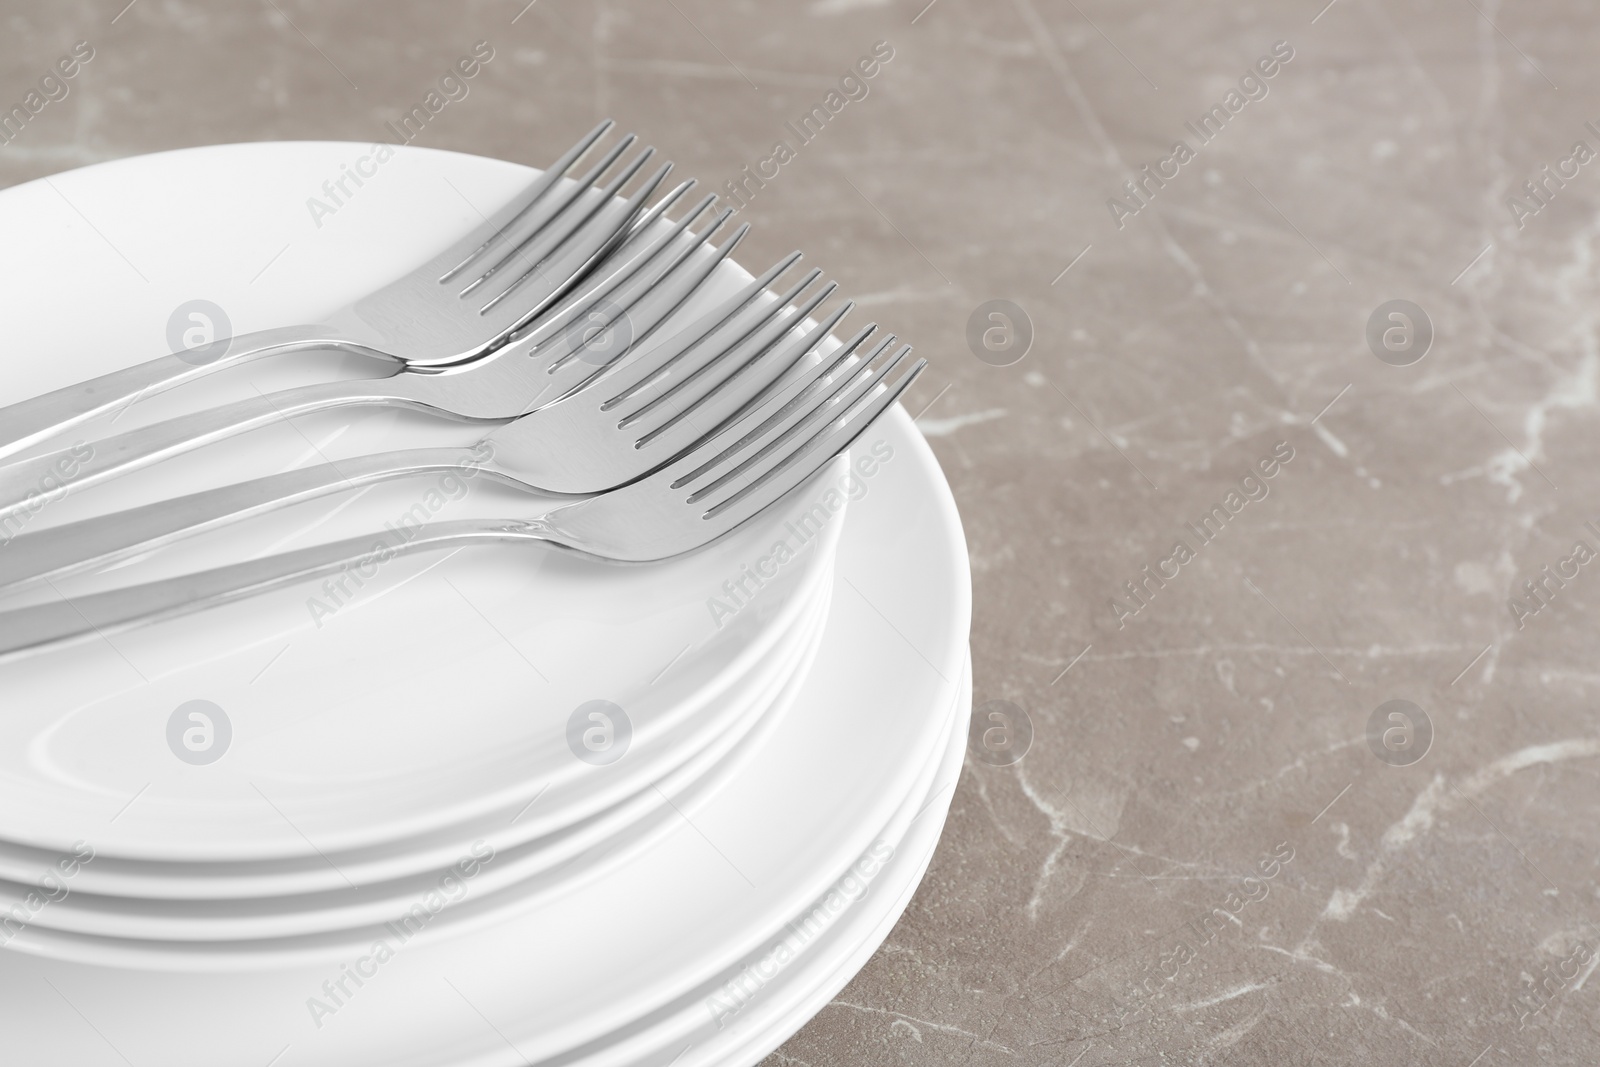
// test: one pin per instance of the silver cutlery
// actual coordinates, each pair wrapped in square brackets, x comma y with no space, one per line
[455,307]
[723,481]
[656,403]
[647,279]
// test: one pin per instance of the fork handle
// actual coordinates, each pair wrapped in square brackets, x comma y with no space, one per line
[80,545]
[29,422]
[33,628]
[27,483]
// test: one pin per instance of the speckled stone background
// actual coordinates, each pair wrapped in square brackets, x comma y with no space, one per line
[1441,911]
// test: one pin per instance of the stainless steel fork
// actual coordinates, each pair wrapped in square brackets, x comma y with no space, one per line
[458,305]
[633,294]
[654,405]
[725,480]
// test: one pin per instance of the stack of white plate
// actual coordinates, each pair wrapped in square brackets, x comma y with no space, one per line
[500,807]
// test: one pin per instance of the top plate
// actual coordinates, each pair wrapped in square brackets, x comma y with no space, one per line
[439,693]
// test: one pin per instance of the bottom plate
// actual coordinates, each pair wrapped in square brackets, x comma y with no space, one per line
[769,1023]
[755,1008]
[560,981]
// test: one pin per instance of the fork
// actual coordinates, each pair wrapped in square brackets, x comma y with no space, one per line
[537,246]
[653,275]
[653,406]
[722,482]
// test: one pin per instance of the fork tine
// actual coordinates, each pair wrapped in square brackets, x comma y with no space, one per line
[729,402]
[730,332]
[635,256]
[736,436]
[679,276]
[654,297]
[776,435]
[626,232]
[646,361]
[541,185]
[639,232]
[612,154]
[702,368]
[561,217]
[564,256]
[805,459]
[559,205]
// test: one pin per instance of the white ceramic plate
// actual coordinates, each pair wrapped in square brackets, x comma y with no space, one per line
[715,725]
[434,702]
[786,1003]
[753,1008]
[267,929]
[863,731]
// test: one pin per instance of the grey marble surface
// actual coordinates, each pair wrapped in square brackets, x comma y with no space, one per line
[1181,751]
